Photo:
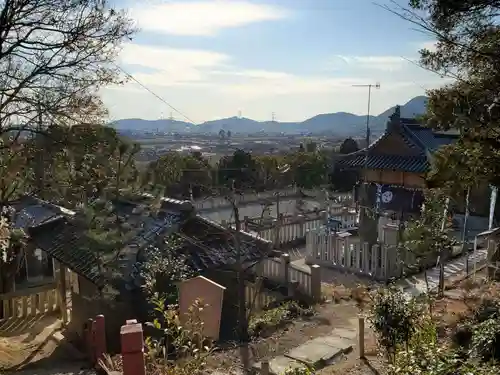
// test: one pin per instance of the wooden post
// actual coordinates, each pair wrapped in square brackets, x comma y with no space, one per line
[316,283]
[361,337]
[100,339]
[264,368]
[285,272]
[89,340]
[61,287]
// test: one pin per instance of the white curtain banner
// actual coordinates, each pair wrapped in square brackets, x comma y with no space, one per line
[445,213]
[493,201]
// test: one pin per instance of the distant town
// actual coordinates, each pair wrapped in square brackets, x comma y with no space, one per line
[218,138]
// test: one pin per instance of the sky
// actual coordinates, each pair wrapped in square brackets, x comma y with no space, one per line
[212,59]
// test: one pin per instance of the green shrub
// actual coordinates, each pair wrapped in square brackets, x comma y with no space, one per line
[394,319]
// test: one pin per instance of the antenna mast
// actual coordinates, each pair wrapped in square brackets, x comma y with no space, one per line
[369,86]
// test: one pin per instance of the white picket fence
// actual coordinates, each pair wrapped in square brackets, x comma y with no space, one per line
[293,230]
[333,250]
[290,231]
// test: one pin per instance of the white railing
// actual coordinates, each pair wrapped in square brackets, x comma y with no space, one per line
[30,302]
[282,271]
[336,251]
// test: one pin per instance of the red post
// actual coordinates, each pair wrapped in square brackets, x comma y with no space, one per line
[89,340]
[132,343]
[100,338]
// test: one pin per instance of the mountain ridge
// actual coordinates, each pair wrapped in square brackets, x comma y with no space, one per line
[338,123]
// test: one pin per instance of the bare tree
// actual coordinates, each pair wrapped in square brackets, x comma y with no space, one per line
[54,57]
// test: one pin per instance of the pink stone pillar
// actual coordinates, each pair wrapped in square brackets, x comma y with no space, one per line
[132,343]
[89,340]
[100,338]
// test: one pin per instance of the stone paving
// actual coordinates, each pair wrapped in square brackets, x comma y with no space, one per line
[318,352]
[415,285]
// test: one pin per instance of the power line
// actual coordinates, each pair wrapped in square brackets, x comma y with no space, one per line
[153,93]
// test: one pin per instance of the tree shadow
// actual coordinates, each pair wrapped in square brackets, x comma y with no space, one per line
[62,354]
[32,326]
[367,363]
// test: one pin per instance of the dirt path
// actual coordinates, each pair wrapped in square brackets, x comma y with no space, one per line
[328,316]
[27,341]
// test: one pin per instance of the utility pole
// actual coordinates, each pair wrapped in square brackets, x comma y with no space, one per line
[278,219]
[40,162]
[465,248]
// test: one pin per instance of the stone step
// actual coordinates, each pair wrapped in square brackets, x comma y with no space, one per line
[321,351]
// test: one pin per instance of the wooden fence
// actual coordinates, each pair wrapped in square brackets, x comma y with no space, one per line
[30,302]
[280,270]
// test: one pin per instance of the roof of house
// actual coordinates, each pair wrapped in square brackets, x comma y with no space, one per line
[205,244]
[419,138]
[32,212]
[209,245]
[66,242]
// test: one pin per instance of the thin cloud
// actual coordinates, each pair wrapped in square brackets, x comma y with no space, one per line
[171,66]
[203,18]
[388,63]
[207,71]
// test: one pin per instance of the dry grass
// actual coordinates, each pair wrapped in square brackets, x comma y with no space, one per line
[338,293]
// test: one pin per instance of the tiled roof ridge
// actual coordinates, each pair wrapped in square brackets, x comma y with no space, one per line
[364,150]
[410,138]
[182,205]
[377,141]
[49,205]
[408,132]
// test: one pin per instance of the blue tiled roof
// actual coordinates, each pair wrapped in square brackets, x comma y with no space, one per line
[414,164]
[417,137]
[428,139]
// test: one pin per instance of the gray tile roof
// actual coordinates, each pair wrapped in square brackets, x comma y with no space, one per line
[32,212]
[415,164]
[66,242]
[206,244]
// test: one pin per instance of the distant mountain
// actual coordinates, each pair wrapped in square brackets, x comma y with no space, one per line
[340,123]
[415,107]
